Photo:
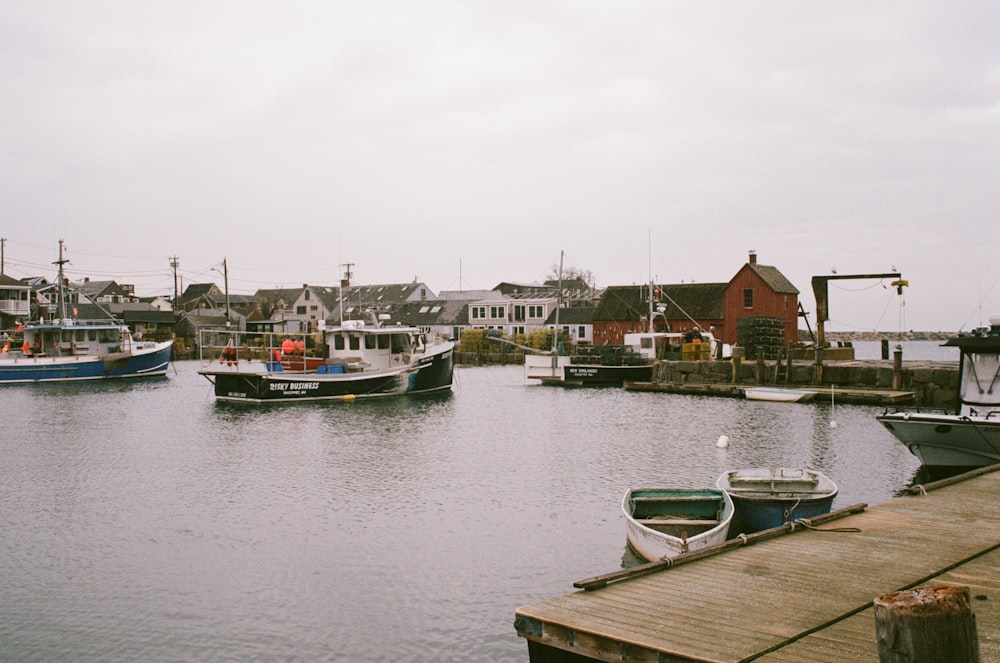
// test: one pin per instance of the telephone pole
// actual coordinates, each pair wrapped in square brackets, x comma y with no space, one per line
[175,263]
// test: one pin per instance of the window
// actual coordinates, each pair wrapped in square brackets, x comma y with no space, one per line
[518,310]
[478,312]
[300,310]
[370,342]
[581,332]
[536,311]
[355,342]
[498,312]
[424,309]
[748,298]
[305,295]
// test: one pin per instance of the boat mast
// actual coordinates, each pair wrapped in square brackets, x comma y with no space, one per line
[555,336]
[61,293]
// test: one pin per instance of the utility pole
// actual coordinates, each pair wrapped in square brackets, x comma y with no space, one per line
[3,245]
[174,263]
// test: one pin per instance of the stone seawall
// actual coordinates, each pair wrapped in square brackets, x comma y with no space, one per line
[934,384]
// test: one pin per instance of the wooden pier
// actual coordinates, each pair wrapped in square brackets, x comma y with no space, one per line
[852,395]
[804,595]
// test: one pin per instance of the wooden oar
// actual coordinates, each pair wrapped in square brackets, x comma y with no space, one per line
[597,582]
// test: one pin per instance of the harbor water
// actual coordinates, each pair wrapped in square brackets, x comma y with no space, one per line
[145,521]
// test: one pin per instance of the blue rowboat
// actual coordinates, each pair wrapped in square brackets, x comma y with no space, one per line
[766,497]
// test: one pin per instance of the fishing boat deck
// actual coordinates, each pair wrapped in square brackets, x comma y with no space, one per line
[806,595]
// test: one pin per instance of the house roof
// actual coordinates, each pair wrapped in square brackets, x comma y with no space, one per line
[9,281]
[432,313]
[196,290]
[701,301]
[773,278]
[470,295]
[572,315]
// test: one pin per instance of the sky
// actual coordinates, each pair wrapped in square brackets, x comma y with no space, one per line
[463,144]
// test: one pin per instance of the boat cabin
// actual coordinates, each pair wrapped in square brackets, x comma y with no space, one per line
[979,374]
[355,347]
[63,341]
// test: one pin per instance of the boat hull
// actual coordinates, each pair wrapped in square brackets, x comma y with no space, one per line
[667,522]
[770,497]
[150,360]
[255,381]
[605,376]
[946,440]
[778,394]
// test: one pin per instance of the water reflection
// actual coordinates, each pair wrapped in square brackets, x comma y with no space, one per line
[148,521]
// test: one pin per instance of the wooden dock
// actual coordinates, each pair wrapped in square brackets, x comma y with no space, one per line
[800,596]
[852,395]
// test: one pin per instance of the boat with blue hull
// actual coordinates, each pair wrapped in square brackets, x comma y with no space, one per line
[66,349]
[350,361]
[766,497]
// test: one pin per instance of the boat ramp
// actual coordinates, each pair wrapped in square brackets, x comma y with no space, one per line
[804,593]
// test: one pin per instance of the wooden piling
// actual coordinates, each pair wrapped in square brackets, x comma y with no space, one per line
[897,368]
[933,624]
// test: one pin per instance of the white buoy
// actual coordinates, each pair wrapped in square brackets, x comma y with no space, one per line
[723,441]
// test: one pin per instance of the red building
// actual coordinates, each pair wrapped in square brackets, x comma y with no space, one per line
[755,291]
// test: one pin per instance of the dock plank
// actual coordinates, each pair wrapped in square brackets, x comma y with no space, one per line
[806,591]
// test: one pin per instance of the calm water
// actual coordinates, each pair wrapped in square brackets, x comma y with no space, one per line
[144,521]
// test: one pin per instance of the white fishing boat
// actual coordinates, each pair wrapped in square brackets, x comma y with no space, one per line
[970,436]
[666,522]
[779,394]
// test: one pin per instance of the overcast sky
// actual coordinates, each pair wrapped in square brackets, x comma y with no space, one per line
[468,143]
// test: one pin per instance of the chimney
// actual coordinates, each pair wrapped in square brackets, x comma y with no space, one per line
[753,257]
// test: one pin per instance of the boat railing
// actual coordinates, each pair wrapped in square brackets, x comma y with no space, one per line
[238,345]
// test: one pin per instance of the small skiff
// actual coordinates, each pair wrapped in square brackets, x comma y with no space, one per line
[666,522]
[778,394]
[766,497]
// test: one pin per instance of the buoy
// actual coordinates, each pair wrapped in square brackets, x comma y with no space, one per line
[723,441]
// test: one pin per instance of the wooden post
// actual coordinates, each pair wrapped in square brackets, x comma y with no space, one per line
[760,370]
[737,363]
[933,624]
[788,364]
[818,369]
[897,369]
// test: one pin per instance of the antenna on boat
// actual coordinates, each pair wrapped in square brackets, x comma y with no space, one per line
[62,294]
[344,282]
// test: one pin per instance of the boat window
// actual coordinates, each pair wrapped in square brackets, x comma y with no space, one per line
[92,335]
[107,336]
[370,342]
[355,342]
[400,343]
[338,342]
[646,343]
[81,335]
[383,342]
